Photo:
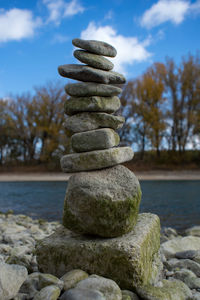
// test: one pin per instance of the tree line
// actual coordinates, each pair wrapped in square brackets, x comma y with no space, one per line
[161,108]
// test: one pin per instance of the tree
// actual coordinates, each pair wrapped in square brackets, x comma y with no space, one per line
[49,103]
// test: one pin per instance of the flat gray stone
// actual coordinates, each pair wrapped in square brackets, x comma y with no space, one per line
[97,47]
[76,105]
[94,140]
[95,160]
[89,121]
[94,60]
[86,73]
[103,203]
[189,254]
[107,287]
[170,290]
[72,277]
[82,294]
[129,260]
[189,265]
[85,89]
[131,295]
[171,247]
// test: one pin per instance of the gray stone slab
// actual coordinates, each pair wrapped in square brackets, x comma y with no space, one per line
[93,60]
[95,160]
[89,121]
[86,73]
[94,140]
[76,105]
[97,47]
[104,203]
[129,260]
[84,89]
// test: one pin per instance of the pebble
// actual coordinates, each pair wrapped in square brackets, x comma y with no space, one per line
[86,73]
[95,140]
[89,121]
[107,287]
[94,160]
[93,60]
[11,279]
[97,47]
[85,89]
[76,105]
[50,292]
[71,278]
[82,294]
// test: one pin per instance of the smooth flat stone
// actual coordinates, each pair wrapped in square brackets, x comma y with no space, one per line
[86,73]
[95,160]
[129,260]
[102,203]
[82,294]
[93,60]
[97,47]
[94,140]
[92,89]
[76,105]
[89,121]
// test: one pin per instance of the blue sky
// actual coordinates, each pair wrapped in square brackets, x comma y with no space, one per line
[35,36]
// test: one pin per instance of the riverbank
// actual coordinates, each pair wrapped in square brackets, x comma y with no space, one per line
[180,255]
[148,175]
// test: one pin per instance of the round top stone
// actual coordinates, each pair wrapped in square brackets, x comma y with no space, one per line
[97,47]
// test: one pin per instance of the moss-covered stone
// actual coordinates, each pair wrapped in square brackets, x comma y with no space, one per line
[94,60]
[103,203]
[169,290]
[128,260]
[76,105]
[95,140]
[95,160]
[92,120]
[85,89]
[72,277]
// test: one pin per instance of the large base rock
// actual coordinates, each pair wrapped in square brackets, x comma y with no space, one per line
[103,203]
[129,260]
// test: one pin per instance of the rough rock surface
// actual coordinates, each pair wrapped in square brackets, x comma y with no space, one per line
[76,105]
[88,121]
[106,286]
[86,73]
[11,279]
[170,290]
[129,260]
[95,140]
[95,160]
[103,203]
[97,47]
[93,60]
[85,89]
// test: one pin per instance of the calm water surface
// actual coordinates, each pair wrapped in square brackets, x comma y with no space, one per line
[176,202]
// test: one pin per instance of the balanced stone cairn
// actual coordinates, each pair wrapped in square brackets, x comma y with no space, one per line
[104,202]
[102,231]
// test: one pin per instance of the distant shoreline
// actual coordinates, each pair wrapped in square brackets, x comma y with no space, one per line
[144,175]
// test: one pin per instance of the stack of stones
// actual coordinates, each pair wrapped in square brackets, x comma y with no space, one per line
[104,235]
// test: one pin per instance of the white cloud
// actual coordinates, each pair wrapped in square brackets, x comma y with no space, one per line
[17,24]
[129,49]
[165,10]
[59,9]
[59,38]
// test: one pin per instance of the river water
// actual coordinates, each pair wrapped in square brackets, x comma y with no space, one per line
[176,202]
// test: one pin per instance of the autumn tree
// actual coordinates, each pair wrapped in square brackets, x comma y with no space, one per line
[182,84]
